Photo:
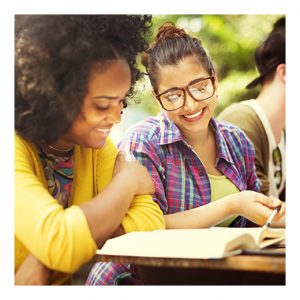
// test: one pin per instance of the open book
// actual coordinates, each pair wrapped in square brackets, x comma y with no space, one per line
[215,242]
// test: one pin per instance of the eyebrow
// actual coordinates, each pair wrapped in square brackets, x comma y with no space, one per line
[179,88]
[110,97]
[105,97]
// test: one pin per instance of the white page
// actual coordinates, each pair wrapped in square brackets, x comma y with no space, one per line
[186,243]
[183,243]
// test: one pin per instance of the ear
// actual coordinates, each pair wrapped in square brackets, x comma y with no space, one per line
[157,101]
[153,94]
[216,82]
[280,71]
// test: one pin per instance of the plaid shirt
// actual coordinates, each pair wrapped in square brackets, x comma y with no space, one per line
[181,181]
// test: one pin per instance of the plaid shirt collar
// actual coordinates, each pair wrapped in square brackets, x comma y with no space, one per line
[170,133]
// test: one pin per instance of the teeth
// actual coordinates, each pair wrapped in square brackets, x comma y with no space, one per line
[103,130]
[194,115]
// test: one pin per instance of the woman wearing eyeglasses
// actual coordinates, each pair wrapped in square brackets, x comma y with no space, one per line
[203,169]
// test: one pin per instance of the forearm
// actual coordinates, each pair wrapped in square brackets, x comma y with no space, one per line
[105,212]
[143,214]
[254,206]
[201,217]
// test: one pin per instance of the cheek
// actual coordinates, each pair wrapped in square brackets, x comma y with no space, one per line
[90,119]
[212,104]
[78,128]
[82,124]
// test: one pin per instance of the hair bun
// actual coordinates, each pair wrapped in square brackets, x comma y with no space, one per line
[169,30]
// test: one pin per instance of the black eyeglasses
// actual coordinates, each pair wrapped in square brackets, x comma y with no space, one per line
[199,89]
[277,160]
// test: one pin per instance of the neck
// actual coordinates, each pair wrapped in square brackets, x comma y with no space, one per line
[198,138]
[272,101]
[57,149]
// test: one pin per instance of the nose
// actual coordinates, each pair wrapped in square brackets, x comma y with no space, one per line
[190,104]
[114,115]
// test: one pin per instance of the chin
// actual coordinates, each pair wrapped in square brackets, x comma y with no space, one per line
[197,127]
[97,144]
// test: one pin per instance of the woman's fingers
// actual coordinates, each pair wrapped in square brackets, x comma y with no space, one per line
[271,201]
[266,213]
[281,212]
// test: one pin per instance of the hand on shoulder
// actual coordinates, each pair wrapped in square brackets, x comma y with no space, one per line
[134,174]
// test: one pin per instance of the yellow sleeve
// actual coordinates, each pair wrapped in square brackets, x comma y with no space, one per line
[143,214]
[59,238]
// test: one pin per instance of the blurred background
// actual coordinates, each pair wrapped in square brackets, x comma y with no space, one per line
[230,41]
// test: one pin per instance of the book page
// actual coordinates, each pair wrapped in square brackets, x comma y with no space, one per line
[262,237]
[271,236]
[215,242]
[179,243]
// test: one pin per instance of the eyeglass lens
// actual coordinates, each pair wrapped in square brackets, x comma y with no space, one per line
[199,90]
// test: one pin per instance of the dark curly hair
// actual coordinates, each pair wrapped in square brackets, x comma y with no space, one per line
[53,57]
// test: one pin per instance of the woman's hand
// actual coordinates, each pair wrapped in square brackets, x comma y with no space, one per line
[32,272]
[134,174]
[256,207]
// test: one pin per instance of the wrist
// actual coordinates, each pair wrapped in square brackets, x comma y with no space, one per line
[233,204]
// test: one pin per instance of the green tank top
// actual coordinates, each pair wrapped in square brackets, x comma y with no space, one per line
[220,187]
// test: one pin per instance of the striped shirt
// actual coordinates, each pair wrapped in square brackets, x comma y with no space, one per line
[180,178]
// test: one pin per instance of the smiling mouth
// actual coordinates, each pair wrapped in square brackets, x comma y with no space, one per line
[103,130]
[194,115]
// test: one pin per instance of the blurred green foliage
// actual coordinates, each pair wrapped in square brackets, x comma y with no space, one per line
[230,41]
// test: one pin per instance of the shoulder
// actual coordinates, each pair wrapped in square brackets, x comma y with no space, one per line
[143,139]
[23,148]
[20,141]
[233,135]
[143,135]
[148,128]
[246,117]
[228,129]
[240,114]
[240,107]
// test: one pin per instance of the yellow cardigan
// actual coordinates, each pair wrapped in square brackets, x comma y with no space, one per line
[60,238]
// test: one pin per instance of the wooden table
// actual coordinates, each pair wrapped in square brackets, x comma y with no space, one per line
[236,270]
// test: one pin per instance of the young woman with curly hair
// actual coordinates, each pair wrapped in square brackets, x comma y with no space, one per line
[73,190]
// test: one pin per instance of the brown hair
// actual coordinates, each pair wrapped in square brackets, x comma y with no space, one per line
[171,45]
